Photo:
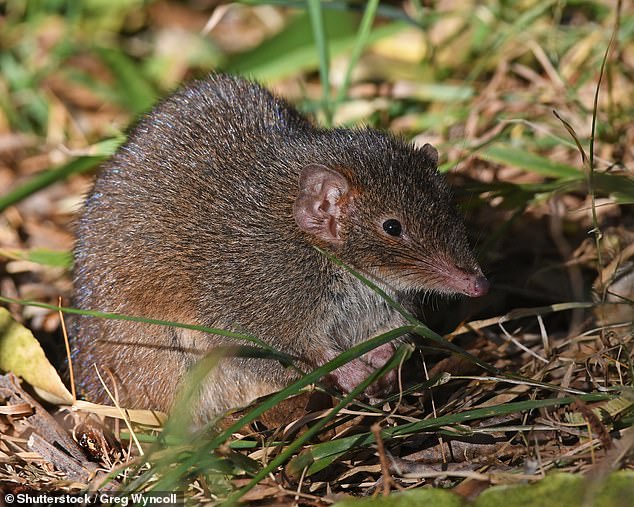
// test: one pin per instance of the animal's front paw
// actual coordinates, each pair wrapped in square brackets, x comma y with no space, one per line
[351,374]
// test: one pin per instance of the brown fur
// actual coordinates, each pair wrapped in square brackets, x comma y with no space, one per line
[195,220]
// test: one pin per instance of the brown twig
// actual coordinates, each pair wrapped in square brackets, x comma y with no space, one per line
[385,468]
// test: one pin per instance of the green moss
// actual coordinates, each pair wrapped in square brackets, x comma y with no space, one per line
[556,490]
[564,490]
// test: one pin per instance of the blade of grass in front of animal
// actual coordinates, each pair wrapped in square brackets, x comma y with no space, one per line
[420,328]
[180,420]
[219,439]
[397,358]
[312,377]
[436,380]
[272,353]
[193,461]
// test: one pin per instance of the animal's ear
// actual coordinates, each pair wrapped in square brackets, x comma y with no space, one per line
[431,152]
[320,202]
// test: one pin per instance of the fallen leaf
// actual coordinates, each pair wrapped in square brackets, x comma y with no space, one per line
[22,354]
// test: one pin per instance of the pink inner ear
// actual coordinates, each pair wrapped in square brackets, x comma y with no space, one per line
[317,208]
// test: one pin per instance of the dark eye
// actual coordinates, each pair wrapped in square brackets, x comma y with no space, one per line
[392,227]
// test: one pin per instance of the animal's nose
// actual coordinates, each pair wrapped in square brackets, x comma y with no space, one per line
[480,286]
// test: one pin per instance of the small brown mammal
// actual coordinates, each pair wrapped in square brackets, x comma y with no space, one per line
[209,215]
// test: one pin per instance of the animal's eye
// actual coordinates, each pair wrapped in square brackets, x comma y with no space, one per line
[392,227]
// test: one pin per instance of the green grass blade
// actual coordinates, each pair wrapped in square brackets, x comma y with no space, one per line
[43,256]
[145,320]
[311,378]
[361,41]
[293,49]
[211,444]
[319,35]
[134,91]
[621,188]
[180,420]
[419,327]
[46,178]
[385,11]
[504,154]
[333,449]
[397,358]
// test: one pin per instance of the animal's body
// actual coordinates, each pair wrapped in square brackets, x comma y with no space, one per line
[209,215]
